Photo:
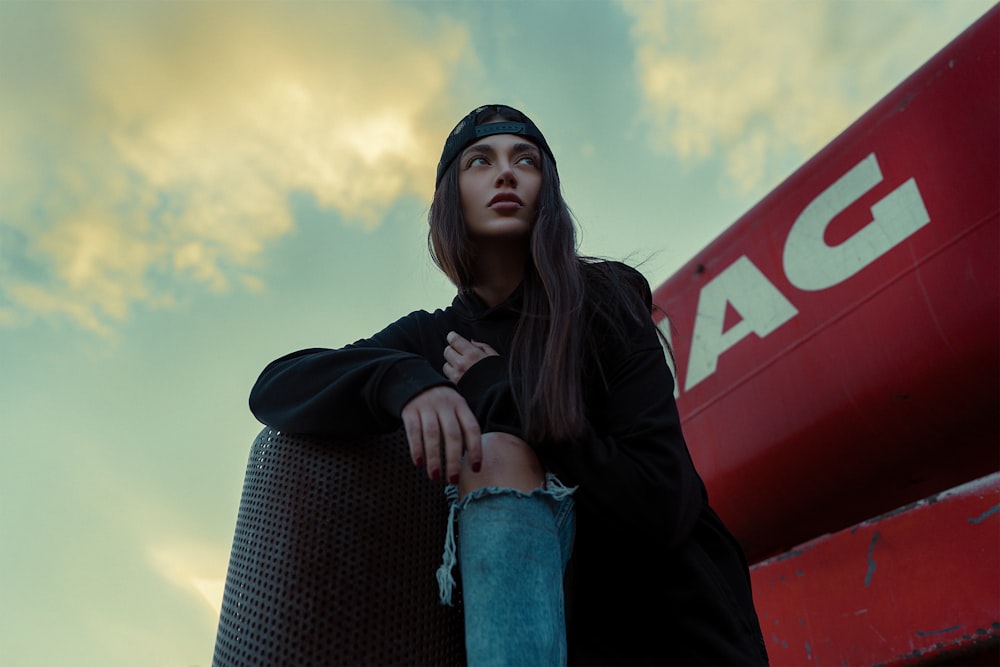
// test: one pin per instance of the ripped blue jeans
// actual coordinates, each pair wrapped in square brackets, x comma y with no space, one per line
[512,551]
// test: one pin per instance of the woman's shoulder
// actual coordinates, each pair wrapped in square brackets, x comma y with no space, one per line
[618,312]
[609,282]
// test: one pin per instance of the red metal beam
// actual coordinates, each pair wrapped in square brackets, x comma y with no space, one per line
[918,585]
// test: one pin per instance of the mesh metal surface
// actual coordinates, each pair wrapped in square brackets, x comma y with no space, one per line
[334,557]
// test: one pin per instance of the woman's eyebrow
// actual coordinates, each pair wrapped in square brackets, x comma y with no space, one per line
[524,147]
[489,150]
[479,148]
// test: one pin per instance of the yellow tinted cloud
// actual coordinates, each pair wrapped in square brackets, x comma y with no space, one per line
[196,568]
[156,144]
[766,84]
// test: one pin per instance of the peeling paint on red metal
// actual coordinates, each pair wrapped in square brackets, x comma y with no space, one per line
[914,585]
[883,387]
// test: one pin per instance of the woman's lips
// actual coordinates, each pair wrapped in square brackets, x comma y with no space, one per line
[505,201]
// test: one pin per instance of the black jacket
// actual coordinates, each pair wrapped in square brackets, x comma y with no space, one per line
[655,577]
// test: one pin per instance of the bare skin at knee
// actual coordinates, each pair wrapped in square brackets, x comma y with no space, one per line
[508,461]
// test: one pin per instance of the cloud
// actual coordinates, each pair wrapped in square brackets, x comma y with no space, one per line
[767,84]
[195,568]
[153,147]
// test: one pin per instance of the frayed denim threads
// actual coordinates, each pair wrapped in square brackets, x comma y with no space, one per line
[562,511]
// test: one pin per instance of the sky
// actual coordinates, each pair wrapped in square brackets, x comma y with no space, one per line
[189,190]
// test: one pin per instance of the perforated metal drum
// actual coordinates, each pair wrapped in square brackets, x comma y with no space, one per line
[334,557]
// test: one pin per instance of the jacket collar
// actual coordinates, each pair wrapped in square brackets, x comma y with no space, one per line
[468,303]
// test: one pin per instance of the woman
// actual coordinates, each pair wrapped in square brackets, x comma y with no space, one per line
[543,396]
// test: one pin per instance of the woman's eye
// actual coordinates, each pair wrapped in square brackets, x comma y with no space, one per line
[477,161]
[528,159]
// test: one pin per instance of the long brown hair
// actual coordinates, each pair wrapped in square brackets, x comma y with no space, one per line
[546,361]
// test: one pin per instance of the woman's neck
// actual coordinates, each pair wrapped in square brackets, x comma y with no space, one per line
[499,271]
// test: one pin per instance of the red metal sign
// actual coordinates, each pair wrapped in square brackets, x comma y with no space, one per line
[838,348]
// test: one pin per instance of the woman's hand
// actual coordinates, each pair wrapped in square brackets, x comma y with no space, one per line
[439,420]
[461,354]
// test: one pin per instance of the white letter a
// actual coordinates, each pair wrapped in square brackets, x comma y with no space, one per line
[760,304]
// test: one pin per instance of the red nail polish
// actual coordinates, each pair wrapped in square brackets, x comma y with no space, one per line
[454,478]
[435,474]
[476,467]
[419,462]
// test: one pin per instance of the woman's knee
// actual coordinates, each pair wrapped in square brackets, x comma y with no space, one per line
[508,461]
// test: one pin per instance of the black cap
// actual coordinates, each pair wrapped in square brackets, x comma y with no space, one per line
[469,129]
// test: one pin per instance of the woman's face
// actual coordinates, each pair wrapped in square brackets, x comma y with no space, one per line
[499,179]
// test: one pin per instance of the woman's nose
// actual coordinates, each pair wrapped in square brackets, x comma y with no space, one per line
[506,176]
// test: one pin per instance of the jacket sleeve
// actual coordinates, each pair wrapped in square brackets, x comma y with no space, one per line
[353,391]
[486,388]
[631,463]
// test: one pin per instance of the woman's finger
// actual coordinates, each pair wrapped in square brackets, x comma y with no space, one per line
[458,342]
[414,436]
[451,372]
[431,433]
[452,443]
[485,347]
[455,364]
